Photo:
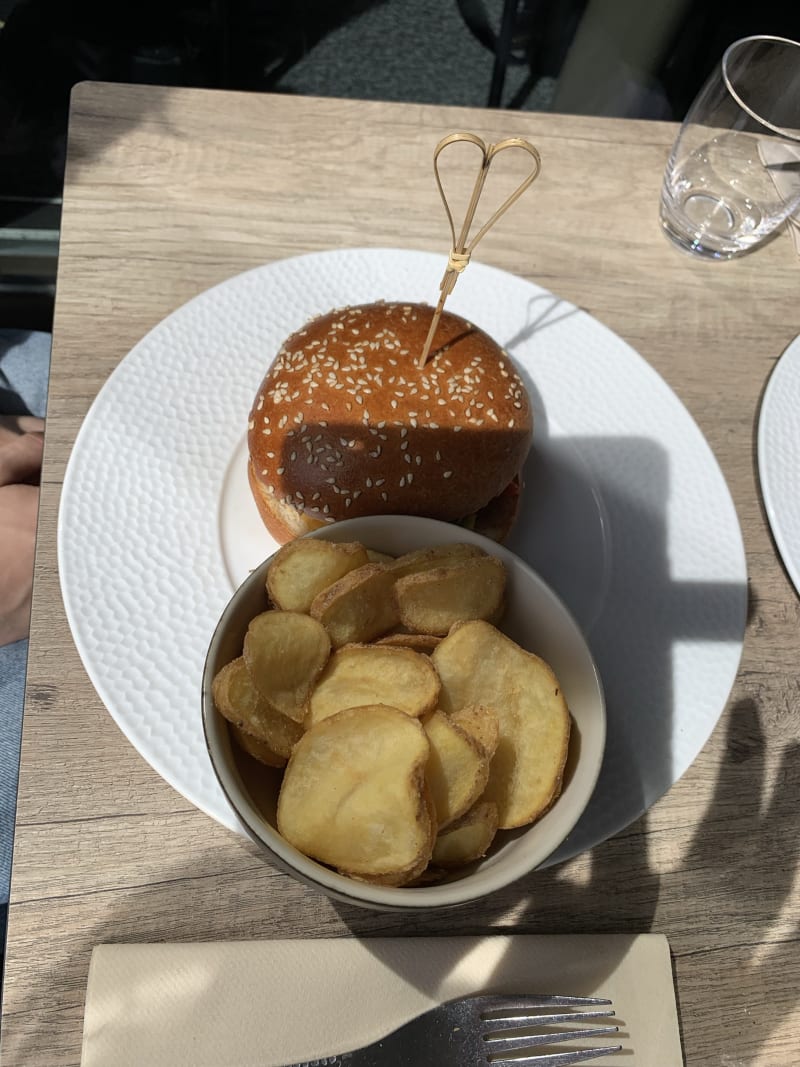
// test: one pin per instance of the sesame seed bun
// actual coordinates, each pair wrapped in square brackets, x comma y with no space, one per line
[345,424]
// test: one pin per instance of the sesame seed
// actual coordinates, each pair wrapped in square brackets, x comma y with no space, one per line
[447,474]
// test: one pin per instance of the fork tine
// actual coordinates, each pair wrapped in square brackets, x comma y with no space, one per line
[496,1024]
[562,1059]
[500,1016]
[498,1046]
[529,1001]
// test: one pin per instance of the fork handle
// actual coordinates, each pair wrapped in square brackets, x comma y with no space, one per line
[329,1061]
[356,1058]
[370,1056]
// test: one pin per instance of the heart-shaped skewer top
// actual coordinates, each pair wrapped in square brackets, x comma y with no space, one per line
[462,246]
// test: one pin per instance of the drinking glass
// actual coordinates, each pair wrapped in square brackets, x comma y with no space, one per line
[734,173]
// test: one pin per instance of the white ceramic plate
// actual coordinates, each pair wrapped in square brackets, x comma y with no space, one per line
[625,514]
[779,457]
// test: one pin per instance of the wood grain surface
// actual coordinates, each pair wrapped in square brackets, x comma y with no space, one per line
[169,191]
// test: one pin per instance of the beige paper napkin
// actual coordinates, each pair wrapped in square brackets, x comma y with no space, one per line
[266,1003]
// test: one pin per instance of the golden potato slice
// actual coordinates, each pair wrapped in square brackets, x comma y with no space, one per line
[237,699]
[425,559]
[432,601]
[374,674]
[424,643]
[468,839]
[457,770]
[413,873]
[257,748]
[353,794]
[359,607]
[285,652]
[303,568]
[481,723]
[478,664]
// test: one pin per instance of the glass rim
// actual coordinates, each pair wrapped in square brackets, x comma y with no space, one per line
[754,114]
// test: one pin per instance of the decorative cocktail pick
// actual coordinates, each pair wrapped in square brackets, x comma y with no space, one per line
[461,248]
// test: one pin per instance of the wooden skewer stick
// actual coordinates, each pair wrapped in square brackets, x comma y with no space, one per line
[461,250]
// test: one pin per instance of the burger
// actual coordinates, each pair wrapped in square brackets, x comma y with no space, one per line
[346,423]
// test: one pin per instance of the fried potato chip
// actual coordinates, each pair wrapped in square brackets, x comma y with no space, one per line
[424,643]
[432,601]
[478,664]
[480,722]
[414,872]
[359,607]
[303,568]
[237,699]
[257,748]
[468,839]
[374,674]
[425,559]
[353,794]
[285,652]
[457,769]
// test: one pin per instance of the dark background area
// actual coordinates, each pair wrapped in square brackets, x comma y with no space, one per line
[628,58]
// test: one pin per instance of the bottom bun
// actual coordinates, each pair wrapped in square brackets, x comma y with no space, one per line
[284,522]
[497,518]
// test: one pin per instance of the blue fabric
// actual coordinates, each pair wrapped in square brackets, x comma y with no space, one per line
[24,372]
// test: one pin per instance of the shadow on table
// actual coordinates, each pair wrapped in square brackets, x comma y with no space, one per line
[594,521]
[746,839]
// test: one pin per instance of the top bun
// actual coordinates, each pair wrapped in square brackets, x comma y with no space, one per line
[346,424]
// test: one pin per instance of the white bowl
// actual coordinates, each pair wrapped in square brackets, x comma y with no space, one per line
[535,618]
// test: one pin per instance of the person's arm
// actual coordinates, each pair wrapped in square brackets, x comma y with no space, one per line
[21,439]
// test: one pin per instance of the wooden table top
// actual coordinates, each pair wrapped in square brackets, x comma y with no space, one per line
[169,191]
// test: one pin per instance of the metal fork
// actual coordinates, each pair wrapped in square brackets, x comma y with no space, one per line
[487,1029]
